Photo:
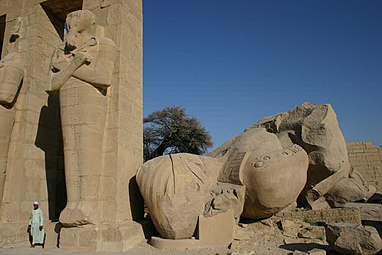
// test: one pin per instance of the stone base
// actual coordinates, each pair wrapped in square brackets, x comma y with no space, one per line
[15,235]
[107,237]
[212,232]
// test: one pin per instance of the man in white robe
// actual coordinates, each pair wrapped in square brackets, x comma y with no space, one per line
[36,226]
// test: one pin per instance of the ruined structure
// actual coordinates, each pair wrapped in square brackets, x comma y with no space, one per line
[315,128]
[63,145]
[367,159]
[296,156]
[71,138]
[257,160]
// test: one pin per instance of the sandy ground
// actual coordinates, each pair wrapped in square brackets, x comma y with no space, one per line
[260,238]
[142,249]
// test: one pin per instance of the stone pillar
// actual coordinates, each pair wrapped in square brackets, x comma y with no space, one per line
[122,22]
[35,163]
[33,151]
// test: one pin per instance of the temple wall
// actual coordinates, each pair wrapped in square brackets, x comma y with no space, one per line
[366,158]
[35,168]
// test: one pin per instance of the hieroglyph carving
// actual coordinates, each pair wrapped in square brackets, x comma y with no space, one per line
[81,72]
[11,76]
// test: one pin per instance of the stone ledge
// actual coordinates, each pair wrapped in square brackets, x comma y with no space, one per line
[108,237]
[338,215]
[212,232]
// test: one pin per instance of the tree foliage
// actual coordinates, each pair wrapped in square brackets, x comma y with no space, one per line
[171,130]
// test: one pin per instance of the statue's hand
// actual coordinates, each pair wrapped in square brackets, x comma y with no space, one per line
[81,58]
[60,60]
[60,64]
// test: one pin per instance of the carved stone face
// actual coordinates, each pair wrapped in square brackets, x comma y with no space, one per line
[273,180]
[78,23]
[72,40]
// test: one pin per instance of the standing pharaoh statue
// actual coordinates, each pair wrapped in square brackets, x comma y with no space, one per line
[11,76]
[81,73]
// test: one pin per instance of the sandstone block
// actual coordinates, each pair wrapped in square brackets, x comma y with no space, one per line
[313,232]
[353,239]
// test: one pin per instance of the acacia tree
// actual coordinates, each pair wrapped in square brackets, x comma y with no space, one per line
[171,130]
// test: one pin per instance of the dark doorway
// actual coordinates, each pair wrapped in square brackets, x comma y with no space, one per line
[57,10]
[2,33]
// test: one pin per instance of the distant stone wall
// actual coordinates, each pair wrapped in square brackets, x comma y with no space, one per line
[339,215]
[366,158]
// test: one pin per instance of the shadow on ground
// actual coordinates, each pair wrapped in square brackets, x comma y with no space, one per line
[305,247]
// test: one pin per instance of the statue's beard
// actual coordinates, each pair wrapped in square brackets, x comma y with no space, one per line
[72,41]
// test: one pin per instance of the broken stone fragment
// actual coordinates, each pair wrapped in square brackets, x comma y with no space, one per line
[353,239]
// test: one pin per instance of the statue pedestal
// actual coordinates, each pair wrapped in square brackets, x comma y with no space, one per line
[105,237]
[215,232]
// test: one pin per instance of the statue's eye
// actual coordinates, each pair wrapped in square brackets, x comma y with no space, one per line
[266,158]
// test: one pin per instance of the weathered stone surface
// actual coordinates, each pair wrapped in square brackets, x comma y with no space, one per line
[257,160]
[214,231]
[11,76]
[82,75]
[107,162]
[313,232]
[303,148]
[353,188]
[353,239]
[311,252]
[291,228]
[366,158]
[369,212]
[176,189]
[226,196]
[214,185]
[320,204]
[264,175]
[317,252]
[315,128]
[337,215]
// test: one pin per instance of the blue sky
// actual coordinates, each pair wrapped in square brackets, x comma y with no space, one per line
[229,63]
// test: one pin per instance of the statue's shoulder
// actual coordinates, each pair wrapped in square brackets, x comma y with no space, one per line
[105,41]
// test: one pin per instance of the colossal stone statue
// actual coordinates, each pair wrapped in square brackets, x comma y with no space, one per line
[315,128]
[81,73]
[247,174]
[257,160]
[297,154]
[177,187]
[11,76]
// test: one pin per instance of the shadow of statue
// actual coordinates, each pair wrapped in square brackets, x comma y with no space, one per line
[49,139]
